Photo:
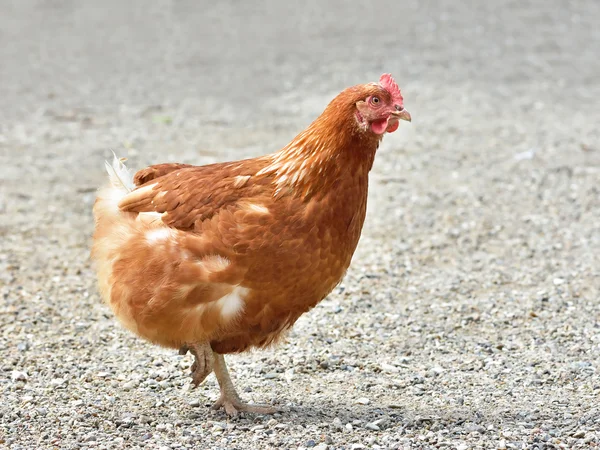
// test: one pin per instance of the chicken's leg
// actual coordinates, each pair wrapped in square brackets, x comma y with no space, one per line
[230,400]
[203,361]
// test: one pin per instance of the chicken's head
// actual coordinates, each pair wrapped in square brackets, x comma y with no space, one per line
[381,106]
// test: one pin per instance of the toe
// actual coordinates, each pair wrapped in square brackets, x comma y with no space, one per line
[199,376]
[231,410]
[202,365]
[234,406]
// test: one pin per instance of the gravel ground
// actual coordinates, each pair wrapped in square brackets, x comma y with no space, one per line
[471,315]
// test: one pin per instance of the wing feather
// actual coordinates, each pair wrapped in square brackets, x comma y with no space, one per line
[158,170]
[189,195]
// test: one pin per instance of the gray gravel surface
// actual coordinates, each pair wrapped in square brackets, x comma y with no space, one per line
[471,315]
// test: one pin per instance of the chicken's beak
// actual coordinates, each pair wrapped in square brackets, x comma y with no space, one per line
[402,115]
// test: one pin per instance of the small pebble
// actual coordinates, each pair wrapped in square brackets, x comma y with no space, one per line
[23,346]
[219,426]
[17,375]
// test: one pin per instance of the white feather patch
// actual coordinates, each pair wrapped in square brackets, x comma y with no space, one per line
[157,235]
[232,303]
[119,175]
[214,263]
[256,208]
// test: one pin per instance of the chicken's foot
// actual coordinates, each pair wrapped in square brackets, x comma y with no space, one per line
[230,400]
[203,361]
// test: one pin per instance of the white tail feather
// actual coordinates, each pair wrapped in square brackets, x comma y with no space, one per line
[119,174]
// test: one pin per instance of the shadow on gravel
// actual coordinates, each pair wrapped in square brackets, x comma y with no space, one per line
[381,418]
[338,416]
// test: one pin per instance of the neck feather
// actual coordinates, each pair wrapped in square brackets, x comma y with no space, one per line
[332,147]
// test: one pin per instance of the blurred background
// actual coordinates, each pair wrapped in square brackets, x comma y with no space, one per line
[472,301]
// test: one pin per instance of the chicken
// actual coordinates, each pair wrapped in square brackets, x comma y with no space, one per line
[225,257]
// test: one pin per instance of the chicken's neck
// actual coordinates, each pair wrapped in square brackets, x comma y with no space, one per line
[316,160]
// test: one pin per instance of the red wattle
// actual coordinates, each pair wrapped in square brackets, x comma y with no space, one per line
[393,126]
[379,126]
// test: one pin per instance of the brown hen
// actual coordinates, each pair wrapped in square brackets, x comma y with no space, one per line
[220,258]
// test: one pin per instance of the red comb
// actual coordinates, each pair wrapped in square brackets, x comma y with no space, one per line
[390,85]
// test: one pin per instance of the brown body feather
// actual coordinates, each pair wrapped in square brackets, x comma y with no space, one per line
[234,253]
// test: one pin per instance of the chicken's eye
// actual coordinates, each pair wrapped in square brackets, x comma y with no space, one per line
[375,100]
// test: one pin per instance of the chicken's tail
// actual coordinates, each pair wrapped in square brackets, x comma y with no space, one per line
[119,175]
[112,226]
[106,208]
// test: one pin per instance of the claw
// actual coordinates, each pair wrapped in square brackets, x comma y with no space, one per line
[234,406]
